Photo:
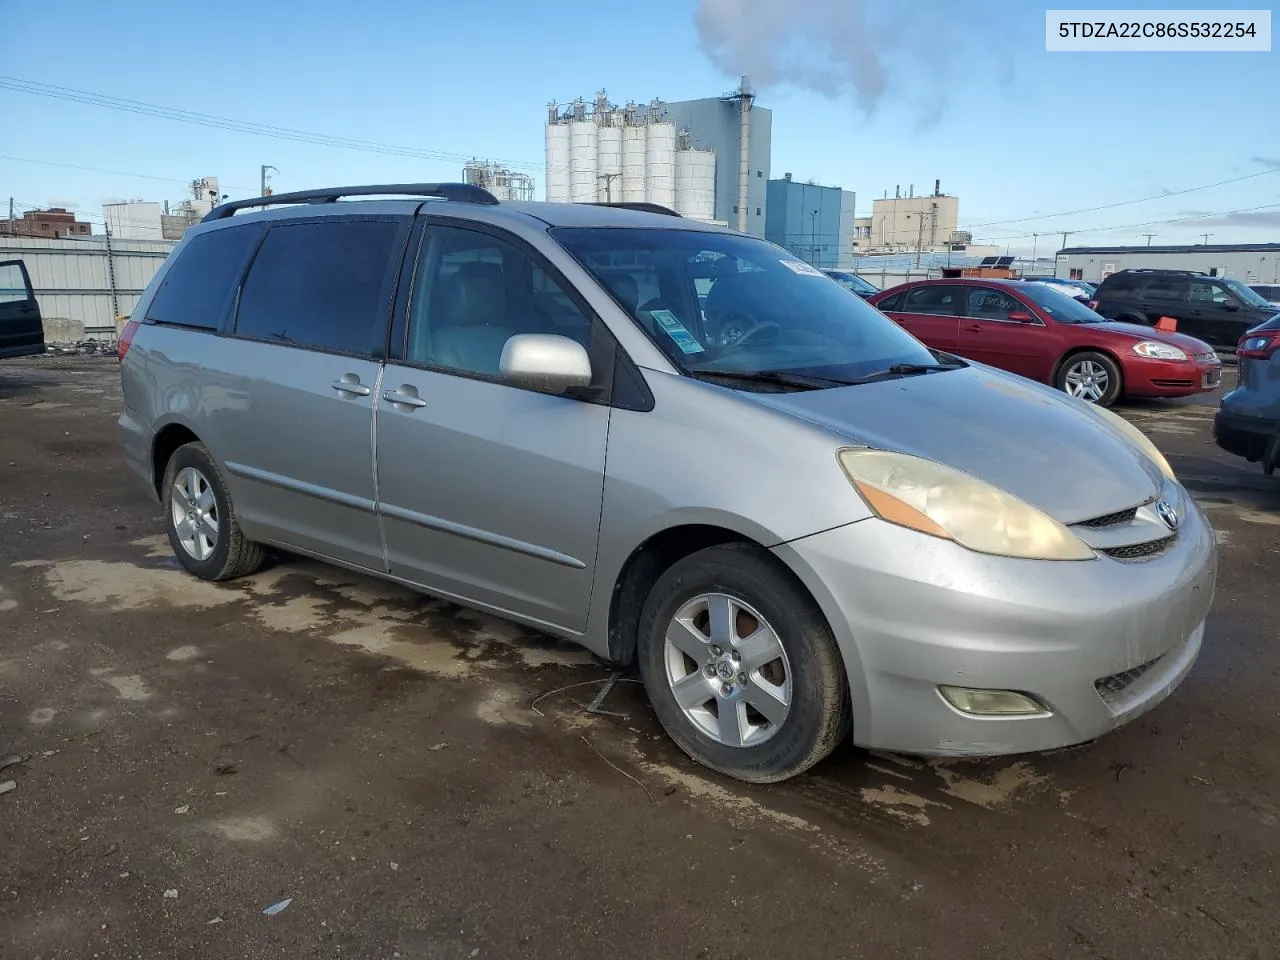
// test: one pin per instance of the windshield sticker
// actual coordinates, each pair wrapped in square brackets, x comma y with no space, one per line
[802,268]
[677,331]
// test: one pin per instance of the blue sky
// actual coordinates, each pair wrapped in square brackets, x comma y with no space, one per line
[865,95]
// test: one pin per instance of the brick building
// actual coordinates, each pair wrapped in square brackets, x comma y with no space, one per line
[54,223]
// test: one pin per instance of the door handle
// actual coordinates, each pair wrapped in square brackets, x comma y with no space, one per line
[401,398]
[974,328]
[351,384]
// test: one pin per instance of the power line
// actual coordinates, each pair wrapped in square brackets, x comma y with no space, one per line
[1151,223]
[117,173]
[239,126]
[1125,203]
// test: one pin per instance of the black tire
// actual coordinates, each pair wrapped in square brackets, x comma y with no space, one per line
[232,555]
[1115,378]
[819,713]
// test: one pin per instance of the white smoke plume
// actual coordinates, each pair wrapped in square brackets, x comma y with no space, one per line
[863,48]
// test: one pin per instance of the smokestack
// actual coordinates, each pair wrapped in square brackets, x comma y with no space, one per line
[937,188]
[911,191]
[744,151]
[897,191]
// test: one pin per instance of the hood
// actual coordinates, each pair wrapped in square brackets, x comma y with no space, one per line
[1035,443]
[1188,345]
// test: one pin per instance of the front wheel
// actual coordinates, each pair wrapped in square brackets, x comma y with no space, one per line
[740,665]
[1092,377]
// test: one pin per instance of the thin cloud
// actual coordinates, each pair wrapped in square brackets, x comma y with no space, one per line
[1271,163]
[1262,220]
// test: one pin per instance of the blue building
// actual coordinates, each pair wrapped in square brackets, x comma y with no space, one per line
[812,221]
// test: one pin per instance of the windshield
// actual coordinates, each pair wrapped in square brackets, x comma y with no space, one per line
[723,302]
[1246,294]
[1060,305]
[851,281]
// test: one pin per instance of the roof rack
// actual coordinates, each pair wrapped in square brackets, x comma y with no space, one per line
[457,192]
[636,205]
[1181,273]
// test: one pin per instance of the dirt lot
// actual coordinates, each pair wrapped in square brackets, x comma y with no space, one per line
[191,754]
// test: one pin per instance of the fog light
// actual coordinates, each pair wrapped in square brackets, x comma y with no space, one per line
[991,703]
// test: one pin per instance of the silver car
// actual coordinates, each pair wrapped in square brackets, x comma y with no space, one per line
[800,522]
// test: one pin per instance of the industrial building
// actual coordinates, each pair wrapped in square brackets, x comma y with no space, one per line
[1250,262]
[151,220]
[503,183]
[814,222]
[899,224]
[54,223]
[707,159]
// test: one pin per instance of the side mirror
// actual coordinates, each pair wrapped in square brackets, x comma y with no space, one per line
[1230,305]
[544,362]
[1021,316]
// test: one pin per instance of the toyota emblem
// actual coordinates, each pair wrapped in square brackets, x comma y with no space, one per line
[1166,513]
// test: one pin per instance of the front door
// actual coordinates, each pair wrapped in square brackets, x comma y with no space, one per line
[929,313]
[987,335]
[1218,317]
[489,493]
[21,330]
[298,376]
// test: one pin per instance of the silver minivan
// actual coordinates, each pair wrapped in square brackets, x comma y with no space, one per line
[796,519]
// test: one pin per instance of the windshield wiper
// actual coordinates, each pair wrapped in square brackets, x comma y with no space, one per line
[779,378]
[906,370]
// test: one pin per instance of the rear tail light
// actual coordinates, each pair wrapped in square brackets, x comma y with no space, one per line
[126,339]
[1091,304]
[1258,346]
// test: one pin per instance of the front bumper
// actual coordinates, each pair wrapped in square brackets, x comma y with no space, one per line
[1099,642]
[1144,377]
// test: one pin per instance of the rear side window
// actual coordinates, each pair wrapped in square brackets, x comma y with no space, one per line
[13,283]
[891,303]
[1119,285]
[941,299]
[200,284]
[1164,289]
[322,285]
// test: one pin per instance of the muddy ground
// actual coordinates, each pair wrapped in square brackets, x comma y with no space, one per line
[191,754]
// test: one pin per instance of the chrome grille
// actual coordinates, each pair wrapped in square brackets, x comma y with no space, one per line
[1111,519]
[1110,688]
[1140,551]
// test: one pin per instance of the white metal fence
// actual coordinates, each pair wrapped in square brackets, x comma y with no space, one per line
[83,286]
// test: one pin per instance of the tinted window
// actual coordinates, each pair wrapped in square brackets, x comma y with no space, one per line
[13,285]
[941,298]
[891,303]
[987,303]
[201,282]
[1120,284]
[319,285]
[766,312]
[473,292]
[1163,288]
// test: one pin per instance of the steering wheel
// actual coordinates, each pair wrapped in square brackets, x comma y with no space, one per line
[737,329]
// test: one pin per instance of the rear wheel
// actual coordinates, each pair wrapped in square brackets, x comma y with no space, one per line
[1092,377]
[200,518]
[740,665]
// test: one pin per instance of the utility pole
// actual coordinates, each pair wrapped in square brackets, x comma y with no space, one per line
[1035,242]
[919,236]
[11,212]
[1149,236]
[266,180]
[608,179]
[1206,238]
[1065,234]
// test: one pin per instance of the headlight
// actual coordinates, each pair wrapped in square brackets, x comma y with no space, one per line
[1134,436]
[1158,351]
[942,502]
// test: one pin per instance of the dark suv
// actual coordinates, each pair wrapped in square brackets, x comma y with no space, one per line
[1248,424]
[1217,310]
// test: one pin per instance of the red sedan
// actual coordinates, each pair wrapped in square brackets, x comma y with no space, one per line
[1040,333]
